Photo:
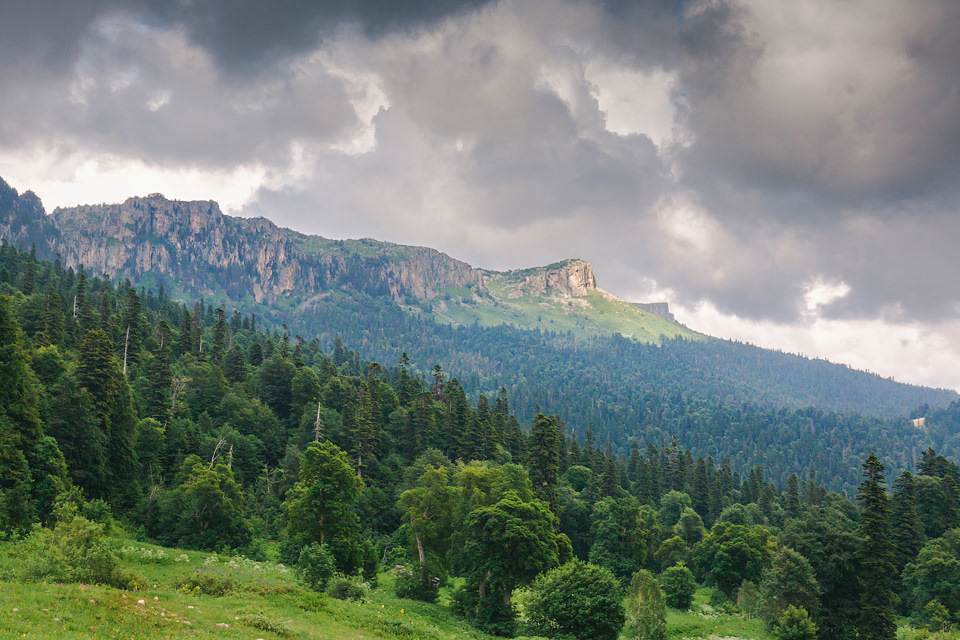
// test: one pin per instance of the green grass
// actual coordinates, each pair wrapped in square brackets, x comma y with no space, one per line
[703,621]
[263,601]
[363,247]
[591,315]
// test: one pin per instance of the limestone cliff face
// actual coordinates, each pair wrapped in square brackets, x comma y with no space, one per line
[573,278]
[425,272]
[203,251]
[192,243]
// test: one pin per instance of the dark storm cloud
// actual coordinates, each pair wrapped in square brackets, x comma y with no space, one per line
[814,140]
[242,33]
[856,102]
[239,33]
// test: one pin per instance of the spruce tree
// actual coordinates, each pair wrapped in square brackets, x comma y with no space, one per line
[20,430]
[543,457]
[701,489]
[905,524]
[219,338]
[99,373]
[877,618]
[793,496]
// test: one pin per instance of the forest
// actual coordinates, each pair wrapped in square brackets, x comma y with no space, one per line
[205,428]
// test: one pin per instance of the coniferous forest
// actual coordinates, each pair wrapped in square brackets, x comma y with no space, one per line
[209,429]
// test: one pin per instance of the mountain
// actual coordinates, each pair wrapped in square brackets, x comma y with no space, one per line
[549,335]
[200,251]
[193,249]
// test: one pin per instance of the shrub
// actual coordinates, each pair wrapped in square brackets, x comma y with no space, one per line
[267,623]
[934,617]
[721,602]
[315,566]
[678,586]
[795,624]
[576,600]
[311,602]
[419,581]
[207,583]
[75,550]
[343,588]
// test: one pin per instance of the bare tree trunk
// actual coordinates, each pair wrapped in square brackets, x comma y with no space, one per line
[423,556]
[126,345]
[318,426]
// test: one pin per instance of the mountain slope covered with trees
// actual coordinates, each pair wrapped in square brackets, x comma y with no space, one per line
[204,429]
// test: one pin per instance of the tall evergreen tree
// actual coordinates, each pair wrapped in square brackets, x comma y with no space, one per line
[877,618]
[701,489]
[132,328]
[905,525]
[793,496]
[99,373]
[20,430]
[543,457]
[219,338]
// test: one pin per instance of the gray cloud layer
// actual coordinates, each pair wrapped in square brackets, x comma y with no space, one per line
[817,141]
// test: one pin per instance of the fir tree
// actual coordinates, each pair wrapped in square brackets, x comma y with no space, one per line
[20,429]
[877,618]
[701,489]
[905,524]
[543,458]
[793,496]
[99,373]
[219,338]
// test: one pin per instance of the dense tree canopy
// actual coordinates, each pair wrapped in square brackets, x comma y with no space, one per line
[223,431]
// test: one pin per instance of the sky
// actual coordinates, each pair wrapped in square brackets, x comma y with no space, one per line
[783,173]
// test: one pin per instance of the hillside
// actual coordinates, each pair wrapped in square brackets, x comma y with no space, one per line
[202,429]
[194,249]
[549,334]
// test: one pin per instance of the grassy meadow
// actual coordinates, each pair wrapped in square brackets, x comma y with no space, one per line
[190,594]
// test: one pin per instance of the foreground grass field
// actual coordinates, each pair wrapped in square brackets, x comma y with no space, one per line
[188,594]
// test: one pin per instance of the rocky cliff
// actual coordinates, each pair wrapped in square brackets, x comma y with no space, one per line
[659,309]
[22,219]
[570,277]
[193,244]
[201,251]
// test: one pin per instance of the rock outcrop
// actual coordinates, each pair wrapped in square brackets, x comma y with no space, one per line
[193,244]
[196,248]
[22,219]
[571,277]
[424,273]
[659,309]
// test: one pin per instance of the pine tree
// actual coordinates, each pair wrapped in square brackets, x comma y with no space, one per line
[701,489]
[234,365]
[160,376]
[20,430]
[182,345]
[131,325]
[406,389]
[543,457]
[457,424]
[877,618]
[219,338]
[905,524]
[99,373]
[793,496]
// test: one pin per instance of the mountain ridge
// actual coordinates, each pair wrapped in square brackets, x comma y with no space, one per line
[192,247]
[524,329]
